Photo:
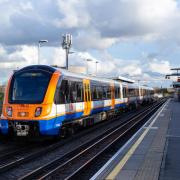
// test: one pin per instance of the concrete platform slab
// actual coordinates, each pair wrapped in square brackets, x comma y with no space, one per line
[156,156]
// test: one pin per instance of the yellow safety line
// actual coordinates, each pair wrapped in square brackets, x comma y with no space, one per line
[121,164]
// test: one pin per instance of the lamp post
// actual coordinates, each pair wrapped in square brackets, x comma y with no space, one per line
[66,44]
[88,60]
[39,45]
[96,67]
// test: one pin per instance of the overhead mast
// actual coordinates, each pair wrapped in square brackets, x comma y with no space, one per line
[66,44]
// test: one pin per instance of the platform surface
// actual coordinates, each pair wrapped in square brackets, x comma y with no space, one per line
[152,153]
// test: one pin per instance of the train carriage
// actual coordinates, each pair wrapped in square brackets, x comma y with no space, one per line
[43,100]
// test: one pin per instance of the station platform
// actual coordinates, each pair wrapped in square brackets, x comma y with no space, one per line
[152,153]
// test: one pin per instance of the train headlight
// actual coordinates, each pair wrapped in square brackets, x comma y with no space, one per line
[38,111]
[9,111]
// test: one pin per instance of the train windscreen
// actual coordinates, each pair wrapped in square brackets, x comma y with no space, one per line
[29,87]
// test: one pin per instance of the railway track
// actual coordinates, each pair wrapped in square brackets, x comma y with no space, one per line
[9,153]
[75,162]
[16,157]
[23,155]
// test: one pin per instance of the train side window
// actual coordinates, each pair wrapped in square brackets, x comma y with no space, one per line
[79,92]
[115,89]
[104,92]
[93,92]
[99,92]
[62,92]
[88,92]
[57,93]
[68,92]
[117,92]
[76,91]
[132,92]
[124,92]
[73,92]
[109,92]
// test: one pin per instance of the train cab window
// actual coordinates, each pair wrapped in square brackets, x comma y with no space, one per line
[29,87]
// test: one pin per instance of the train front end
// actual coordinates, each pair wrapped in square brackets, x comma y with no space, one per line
[28,107]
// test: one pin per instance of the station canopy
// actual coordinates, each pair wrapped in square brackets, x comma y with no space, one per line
[123,79]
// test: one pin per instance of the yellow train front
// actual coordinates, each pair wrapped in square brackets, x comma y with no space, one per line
[28,102]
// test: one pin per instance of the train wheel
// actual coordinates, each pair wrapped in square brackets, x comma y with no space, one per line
[71,130]
[63,132]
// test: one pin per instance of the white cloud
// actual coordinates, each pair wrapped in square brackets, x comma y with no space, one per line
[95,25]
[132,69]
[90,39]
[159,66]
[74,14]
[23,55]
[107,66]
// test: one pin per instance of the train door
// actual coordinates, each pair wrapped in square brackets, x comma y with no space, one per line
[87,97]
[127,94]
[121,92]
[139,92]
[112,96]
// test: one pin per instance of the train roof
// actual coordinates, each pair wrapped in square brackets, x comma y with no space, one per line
[94,78]
[64,72]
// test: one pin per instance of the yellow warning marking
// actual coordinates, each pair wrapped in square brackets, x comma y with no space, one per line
[121,164]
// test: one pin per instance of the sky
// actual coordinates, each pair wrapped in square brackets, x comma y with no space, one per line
[139,39]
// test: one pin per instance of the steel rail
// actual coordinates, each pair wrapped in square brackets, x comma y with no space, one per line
[30,157]
[52,167]
[87,164]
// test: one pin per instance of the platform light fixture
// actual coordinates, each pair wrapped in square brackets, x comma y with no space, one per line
[96,66]
[39,45]
[87,60]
